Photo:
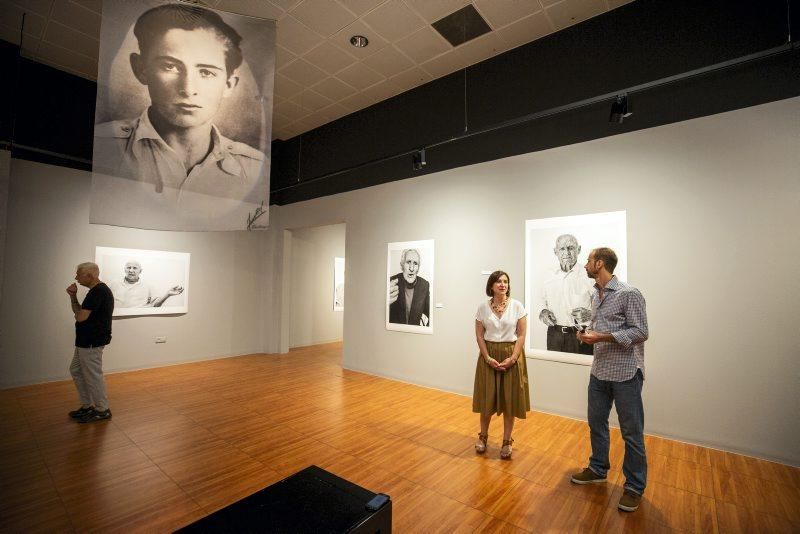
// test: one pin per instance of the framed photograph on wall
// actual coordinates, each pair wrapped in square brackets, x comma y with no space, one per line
[557,289]
[409,290]
[338,284]
[145,282]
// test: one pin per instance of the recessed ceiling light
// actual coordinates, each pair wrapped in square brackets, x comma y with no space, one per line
[359,41]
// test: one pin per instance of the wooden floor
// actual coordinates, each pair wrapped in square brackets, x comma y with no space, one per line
[189,439]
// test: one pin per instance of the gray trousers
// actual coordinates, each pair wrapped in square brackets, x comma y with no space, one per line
[87,373]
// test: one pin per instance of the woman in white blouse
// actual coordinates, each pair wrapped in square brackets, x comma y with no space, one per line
[501,378]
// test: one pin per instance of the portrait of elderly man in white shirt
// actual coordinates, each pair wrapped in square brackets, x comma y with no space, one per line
[566,299]
[133,292]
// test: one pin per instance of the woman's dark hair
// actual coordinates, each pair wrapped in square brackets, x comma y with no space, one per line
[155,22]
[494,277]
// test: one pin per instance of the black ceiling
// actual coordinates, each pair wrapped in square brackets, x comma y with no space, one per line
[676,60]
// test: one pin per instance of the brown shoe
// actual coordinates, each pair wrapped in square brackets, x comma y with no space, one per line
[505,452]
[629,501]
[587,476]
[480,445]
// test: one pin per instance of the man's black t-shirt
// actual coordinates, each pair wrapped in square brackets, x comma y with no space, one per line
[96,330]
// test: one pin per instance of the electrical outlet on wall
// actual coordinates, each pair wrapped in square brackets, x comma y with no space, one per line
[161,339]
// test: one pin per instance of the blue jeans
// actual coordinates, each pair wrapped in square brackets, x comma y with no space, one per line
[627,396]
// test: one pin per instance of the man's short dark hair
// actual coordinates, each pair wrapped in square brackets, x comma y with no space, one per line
[608,256]
[155,22]
[494,277]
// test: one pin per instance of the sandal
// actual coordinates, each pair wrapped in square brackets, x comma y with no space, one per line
[480,445]
[505,452]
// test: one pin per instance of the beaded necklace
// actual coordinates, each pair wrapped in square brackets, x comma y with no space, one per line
[498,308]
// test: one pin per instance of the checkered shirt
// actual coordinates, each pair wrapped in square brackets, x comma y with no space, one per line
[621,313]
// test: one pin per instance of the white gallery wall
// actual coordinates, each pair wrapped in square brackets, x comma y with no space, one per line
[713,209]
[313,320]
[49,234]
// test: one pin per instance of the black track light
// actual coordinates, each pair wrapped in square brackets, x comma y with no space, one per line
[619,110]
[418,159]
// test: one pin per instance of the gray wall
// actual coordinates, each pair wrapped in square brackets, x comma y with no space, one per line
[5,169]
[49,234]
[312,319]
[713,210]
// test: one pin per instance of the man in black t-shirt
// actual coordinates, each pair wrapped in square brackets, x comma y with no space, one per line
[92,334]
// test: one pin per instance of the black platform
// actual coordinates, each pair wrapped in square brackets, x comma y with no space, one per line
[311,500]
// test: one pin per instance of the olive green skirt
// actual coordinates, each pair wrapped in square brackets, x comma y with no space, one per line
[499,392]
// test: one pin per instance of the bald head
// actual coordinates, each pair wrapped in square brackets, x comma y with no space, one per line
[567,251]
[132,271]
[90,267]
[87,274]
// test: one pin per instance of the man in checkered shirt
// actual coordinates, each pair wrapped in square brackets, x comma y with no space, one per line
[618,331]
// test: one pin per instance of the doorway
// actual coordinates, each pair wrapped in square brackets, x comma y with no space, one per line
[314,290]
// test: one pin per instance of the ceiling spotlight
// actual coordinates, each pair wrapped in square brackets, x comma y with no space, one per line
[418,159]
[619,110]
[359,41]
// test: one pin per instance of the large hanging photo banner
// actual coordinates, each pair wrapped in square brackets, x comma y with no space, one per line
[183,121]
[557,289]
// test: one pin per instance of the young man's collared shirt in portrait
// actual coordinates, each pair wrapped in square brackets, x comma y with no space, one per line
[133,149]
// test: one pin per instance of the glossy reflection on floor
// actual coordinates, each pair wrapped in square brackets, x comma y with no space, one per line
[187,440]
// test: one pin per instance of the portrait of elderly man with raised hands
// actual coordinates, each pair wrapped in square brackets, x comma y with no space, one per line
[133,292]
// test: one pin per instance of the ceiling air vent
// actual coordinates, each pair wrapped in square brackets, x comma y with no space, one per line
[462,26]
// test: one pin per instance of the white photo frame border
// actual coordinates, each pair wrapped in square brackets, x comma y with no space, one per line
[428,270]
[564,224]
[139,254]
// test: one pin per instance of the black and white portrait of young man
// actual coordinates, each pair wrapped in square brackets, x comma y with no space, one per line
[183,120]
[409,267]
